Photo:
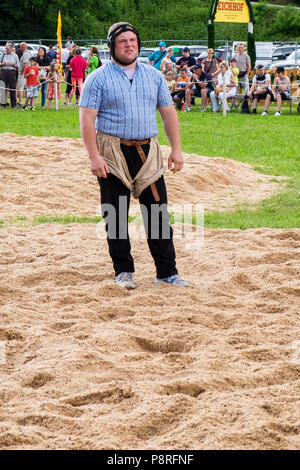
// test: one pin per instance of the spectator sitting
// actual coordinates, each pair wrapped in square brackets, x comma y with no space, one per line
[187,60]
[281,88]
[167,59]
[93,60]
[230,84]
[169,67]
[200,86]
[210,65]
[170,79]
[156,57]
[179,87]
[31,74]
[51,54]
[260,89]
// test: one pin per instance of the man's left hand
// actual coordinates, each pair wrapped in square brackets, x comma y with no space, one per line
[175,161]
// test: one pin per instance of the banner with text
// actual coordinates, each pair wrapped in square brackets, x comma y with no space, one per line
[235,11]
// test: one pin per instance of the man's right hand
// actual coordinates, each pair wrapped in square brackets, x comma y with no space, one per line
[99,167]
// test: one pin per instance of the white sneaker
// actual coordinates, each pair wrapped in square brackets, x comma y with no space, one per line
[264,113]
[69,104]
[203,110]
[186,110]
[278,113]
[175,280]
[125,280]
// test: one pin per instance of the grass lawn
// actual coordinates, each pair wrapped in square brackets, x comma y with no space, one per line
[271,144]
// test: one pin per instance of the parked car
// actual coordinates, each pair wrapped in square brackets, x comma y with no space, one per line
[222,53]
[282,52]
[103,55]
[144,54]
[194,50]
[293,60]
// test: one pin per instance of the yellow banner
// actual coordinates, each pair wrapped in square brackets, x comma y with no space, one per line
[235,11]
[58,51]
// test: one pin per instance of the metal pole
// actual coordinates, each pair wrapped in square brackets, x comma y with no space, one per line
[224,95]
[55,94]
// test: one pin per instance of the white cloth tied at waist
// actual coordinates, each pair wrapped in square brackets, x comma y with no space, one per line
[109,148]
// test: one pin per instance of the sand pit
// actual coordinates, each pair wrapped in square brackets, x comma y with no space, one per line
[91,366]
[87,365]
[51,176]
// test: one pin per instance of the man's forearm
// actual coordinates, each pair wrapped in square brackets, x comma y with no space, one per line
[88,134]
[171,126]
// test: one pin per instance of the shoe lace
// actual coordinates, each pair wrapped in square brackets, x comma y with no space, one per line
[125,276]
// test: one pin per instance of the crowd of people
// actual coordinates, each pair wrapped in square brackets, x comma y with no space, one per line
[22,74]
[187,78]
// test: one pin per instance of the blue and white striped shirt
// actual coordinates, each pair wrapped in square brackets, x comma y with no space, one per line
[126,110]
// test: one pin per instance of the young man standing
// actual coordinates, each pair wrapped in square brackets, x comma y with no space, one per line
[122,97]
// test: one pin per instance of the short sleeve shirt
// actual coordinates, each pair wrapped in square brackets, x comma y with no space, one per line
[126,109]
[242,61]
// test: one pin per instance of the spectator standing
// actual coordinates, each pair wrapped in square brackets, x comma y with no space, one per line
[2,85]
[54,77]
[78,67]
[186,60]
[167,59]
[200,86]
[243,63]
[156,57]
[43,65]
[230,85]
[68,78]
[281,88]
[210,66]
[31,74]
[10,65]
[24,62]
[70,43]
[51,54]
[64,56]
[93,60]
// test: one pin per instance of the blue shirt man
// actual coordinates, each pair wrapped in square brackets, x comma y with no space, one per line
[121,101]
[156,57]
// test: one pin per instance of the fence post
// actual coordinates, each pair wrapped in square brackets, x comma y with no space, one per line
[55,94]
[224,95]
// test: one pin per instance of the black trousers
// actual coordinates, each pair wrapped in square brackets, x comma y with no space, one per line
[155,217]
[10,79]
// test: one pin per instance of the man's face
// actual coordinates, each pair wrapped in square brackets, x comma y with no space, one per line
[126,47]
[240,49]
[8,48]
[162,48]
[198,72]
[23,46]
[186,53]
[260,72]
[183,73]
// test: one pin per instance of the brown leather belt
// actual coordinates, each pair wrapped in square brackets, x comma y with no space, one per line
[138,144]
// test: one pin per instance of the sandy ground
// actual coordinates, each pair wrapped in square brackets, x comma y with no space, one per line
[52,176]
[87,365]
